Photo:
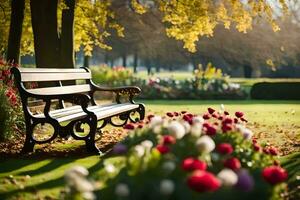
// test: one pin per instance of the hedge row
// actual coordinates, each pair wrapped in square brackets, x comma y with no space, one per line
[282,90]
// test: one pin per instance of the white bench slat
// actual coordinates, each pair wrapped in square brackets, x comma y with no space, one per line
[42,77]
[47,70]
[70,89]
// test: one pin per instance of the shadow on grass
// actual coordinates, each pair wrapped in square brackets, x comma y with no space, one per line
[218,102]
[53,164]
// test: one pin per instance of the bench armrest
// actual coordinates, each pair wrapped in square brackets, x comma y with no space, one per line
[130,91]
[126,90]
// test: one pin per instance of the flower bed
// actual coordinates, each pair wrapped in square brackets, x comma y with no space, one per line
[185,156]
[11,118]
[210,83]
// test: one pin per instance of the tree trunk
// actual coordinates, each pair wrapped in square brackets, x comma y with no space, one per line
[15,31]
[135,62]
[124,60]
[67,55]
[148,66]
[247,71]
[44,25]
[86,61]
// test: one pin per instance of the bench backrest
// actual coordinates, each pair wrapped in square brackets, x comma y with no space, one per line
[24,75]
[50,81]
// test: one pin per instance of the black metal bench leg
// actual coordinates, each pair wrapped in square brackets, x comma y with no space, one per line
[141,111]
[29,142]
[90,141]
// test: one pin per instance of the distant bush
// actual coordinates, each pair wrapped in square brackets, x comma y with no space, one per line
[116,76]
[281,90]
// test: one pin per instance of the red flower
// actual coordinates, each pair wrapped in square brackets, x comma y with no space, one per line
[163,149]
[243,119]
[225,148]
[203,181]
[176,114]
[274,174]
[210,130]
[236,120]
[256,147]
[215,115]
[273,151]
[129,126]
[149,117]
[168,139]
[239,114]
[220,118]
[226,128]
[188,118]
[232,163]
[227,120]
[190,164]
[206,116]
[226,113]
[140,126]
[266,150]
[183,112]
[169,114]
[210,110]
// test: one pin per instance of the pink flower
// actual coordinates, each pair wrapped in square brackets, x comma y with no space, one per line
[203,181]
[239,114]
[273,151]
[232,163]
[256,147]
[274,174]
[191,164]
[225,148]
[226,128]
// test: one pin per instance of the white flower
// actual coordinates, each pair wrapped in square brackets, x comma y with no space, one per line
[140,150]
[187,126]
[167,187]
[122,190]
[110,168]
[78,170]
[222,107]
[88,196]
[198,119]
[196,129]
[168,166]
[205,144]
[176,129]
[247,133]
[147,144]
[155,121]
[228,177]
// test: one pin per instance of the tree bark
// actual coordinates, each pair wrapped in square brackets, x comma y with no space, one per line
[135,62]
[67,55]
[46,40]
[15,31]
[86,61]
[124,60]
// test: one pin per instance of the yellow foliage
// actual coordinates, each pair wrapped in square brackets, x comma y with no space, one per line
[189,20]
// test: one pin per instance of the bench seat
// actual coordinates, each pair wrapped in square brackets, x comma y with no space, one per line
[101,111]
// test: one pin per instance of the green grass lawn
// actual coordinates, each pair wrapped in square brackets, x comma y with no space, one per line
[277,122]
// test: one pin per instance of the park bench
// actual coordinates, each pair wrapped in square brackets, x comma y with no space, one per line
[83,112]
